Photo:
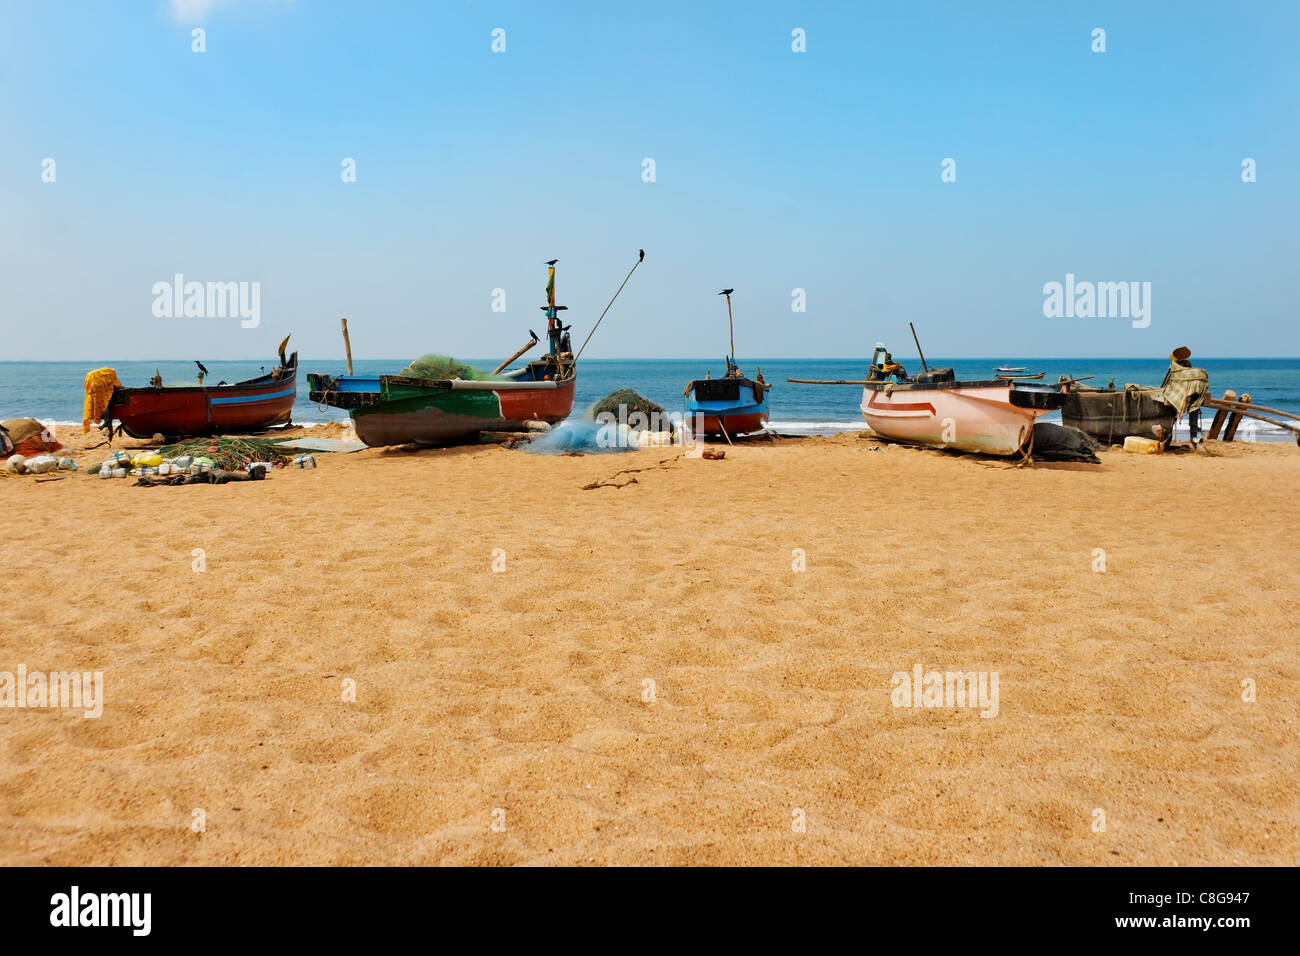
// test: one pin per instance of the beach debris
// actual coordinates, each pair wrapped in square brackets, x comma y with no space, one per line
[1054,442]
[27,436]
[714,454]
[536,426]
[17,464]
[229,452]
[1142,446]
[216,476]
[305,461]
[321,444]
[40,464]
[612,482]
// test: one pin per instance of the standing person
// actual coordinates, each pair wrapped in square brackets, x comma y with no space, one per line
[1185,388]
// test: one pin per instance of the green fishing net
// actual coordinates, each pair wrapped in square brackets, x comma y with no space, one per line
[442,367]
[625,396]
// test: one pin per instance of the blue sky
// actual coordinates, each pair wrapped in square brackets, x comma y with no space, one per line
[775,170]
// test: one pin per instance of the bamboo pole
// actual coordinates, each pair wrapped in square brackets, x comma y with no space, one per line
[521,351]
[1220,414]
[347,344]
[1234,419]
[1221,403]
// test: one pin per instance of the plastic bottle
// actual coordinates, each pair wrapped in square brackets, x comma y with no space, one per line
[1142,446]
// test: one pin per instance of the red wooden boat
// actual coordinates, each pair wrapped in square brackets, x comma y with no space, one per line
[250,406]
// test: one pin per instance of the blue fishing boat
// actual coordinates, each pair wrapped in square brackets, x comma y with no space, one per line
[731,405]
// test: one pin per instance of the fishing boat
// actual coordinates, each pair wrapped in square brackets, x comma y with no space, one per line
[176,411]
[993,417]
[399,410]
[1010,370]
[731,405]
[1110,415]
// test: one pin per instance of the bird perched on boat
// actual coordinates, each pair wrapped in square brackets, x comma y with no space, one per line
[642,259]
[726,292]
[551,262]
[201,368]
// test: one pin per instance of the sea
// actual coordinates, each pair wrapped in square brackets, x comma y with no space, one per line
[53,392]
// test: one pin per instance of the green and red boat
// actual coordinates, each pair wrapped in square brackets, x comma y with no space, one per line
[399,410]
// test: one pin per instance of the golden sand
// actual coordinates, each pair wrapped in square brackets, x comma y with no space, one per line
[505,716]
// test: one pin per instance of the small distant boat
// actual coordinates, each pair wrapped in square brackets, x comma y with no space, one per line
[250,406]
[1109,415]
[1010,369]
[993,417]
[728,406]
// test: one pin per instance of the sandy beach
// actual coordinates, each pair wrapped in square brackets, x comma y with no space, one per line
[646,678]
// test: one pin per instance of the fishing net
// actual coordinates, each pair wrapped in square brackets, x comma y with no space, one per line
[443,367]
[578,436]
[628,398]
[230,452]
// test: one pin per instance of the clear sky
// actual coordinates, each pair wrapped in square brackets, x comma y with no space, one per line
[774,170]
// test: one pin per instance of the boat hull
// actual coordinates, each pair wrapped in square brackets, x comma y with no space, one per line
[388,410]
[726,406]
[983,417]
[1110,416]
[250,406]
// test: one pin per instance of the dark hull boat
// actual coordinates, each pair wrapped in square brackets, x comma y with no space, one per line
[1109,415]
[254,405]
[731,405]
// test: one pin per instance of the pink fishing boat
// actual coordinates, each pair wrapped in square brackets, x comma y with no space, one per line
[993,417]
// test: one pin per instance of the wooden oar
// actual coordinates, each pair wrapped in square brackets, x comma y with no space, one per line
[814,381]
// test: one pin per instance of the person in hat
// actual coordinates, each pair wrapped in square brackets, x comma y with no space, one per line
[1185,388]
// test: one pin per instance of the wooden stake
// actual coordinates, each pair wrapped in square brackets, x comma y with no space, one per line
[347,344]
[1234,419]
[1220,415]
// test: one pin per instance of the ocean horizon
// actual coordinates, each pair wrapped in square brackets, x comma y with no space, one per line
[54,391]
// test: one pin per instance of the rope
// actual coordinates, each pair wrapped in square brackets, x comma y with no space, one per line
[611,302]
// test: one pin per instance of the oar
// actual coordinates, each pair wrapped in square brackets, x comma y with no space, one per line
[815,381]
[918,347]
[521,351]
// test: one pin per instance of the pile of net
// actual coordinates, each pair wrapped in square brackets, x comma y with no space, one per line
[625,398]
[444,367]
[229,453]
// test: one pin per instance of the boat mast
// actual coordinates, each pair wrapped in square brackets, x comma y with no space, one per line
[731,328]
[554,327]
